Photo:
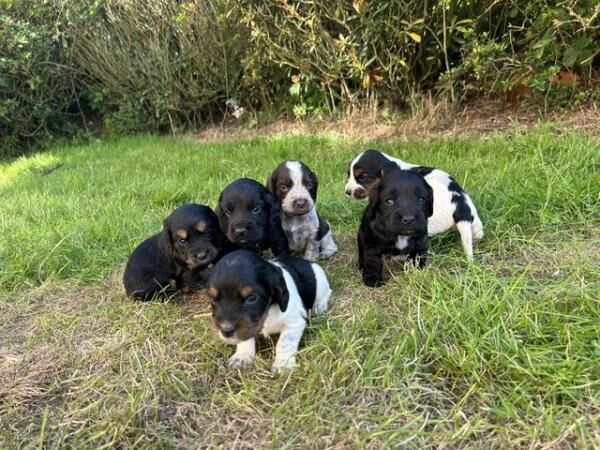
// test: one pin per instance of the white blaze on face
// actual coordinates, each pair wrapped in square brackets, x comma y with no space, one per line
[297,191]
[352,186]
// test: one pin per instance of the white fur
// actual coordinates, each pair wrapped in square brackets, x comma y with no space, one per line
[289,324]
[443,209]
[302,231]
[298,191]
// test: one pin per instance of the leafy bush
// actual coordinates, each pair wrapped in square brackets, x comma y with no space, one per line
[36,85]
[361,51]
[158,65]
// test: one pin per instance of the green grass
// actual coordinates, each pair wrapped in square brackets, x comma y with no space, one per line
[504,352]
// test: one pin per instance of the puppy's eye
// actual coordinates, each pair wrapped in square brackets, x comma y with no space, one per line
[183,241]
[362,177]
[422,200]
[389,202]
[308,185]
[283,188]
[256,209]
[227,212]
[250,300]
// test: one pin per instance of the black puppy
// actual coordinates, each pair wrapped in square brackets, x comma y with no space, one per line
[173,260]
[394,223]
[250,217]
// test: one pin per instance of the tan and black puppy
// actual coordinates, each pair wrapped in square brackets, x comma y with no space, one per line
[295,187]
[173,260]
[394,223]
[252,297]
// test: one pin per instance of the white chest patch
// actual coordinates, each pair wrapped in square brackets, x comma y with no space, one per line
[401,242]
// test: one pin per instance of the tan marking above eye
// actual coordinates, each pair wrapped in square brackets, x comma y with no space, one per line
[181,233]
[246,290]
[201,226]
[213,292]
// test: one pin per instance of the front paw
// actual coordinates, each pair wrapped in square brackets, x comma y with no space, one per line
[328,253]
[372,280]
[288,364]
[239,361]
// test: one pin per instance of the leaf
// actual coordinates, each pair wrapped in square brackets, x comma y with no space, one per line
[414,36]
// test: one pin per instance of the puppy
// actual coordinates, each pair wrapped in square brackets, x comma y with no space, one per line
[252,297]
[250,217]
[173,260]
[394,223]
[452,206]
[295,187]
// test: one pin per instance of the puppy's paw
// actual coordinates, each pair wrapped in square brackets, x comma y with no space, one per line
[239,361]
[328,252]
[288,364]
[372,280]
[319,308]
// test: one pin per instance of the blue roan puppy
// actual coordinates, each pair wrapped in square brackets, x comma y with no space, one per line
[252,297]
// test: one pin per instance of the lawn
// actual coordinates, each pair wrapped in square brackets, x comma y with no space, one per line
[503,352]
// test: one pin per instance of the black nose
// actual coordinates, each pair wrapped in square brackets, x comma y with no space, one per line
[300,203]
[202,255]
[241,229]
[407,220]
[227,330]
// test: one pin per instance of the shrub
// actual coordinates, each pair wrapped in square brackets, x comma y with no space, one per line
[36,84]
[158,65]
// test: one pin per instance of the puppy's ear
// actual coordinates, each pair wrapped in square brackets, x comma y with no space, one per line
[315,186]
[279,291]
[429,200]
[272,182]
[222,218]
[165,240]
[279,242]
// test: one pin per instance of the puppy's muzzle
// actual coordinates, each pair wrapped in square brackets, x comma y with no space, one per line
[300,206]
[358,194]
[227,329]
[242,233]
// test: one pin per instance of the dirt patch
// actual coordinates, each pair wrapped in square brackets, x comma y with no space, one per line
[435,120]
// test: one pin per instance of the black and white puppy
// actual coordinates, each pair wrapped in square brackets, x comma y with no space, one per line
[452,206]
[250,217]
[173,260]
[394,223]
[295,187]
[252,297]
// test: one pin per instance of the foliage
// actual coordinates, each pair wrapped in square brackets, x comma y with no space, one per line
[158,65]
[37,97]
[165,66]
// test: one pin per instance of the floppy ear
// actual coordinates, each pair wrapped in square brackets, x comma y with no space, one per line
[279,291]
[315,187]
[279,242]
[222,218]
[165,240]
[429,200]
[271,181]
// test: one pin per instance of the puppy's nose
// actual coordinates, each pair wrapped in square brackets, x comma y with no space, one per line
[202,255]
[407,220]
[300,203]
[240,229]
[227,329]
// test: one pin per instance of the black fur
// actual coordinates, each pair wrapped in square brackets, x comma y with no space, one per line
[249,216]
[166,263]
[243,286]
[399,206]
[304,277]
[462,211]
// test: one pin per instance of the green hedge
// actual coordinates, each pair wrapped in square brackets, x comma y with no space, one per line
[166,66]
